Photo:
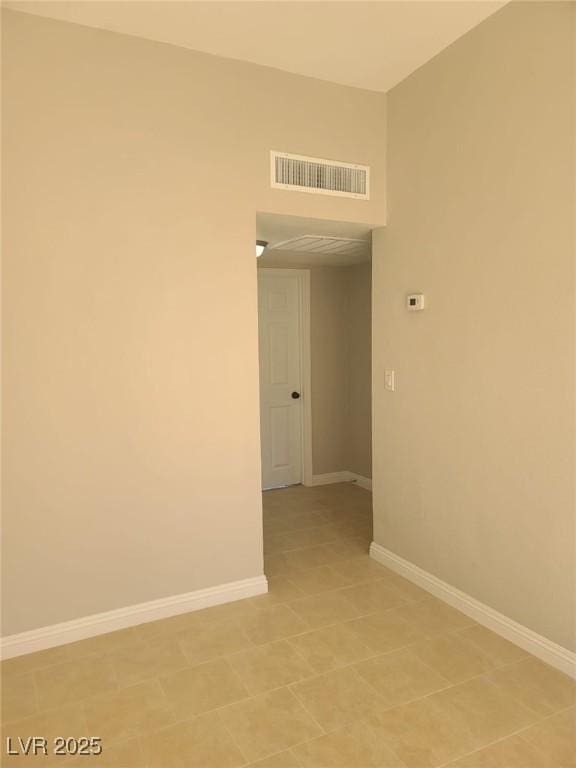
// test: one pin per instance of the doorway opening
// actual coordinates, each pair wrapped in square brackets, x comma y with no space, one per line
[314,314]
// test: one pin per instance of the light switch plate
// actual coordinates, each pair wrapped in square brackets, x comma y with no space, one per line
[390,380]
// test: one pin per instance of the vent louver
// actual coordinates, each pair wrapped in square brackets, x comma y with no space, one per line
[323,244]
[326,177]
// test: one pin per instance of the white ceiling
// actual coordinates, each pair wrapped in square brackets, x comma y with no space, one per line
[371,45]
[275,229]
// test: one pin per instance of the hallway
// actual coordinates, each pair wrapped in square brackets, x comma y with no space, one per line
[310,528]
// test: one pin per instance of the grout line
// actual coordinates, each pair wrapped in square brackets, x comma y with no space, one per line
[145,763]
[305,708]
[234,741]
[519,732]
[375,655]
[180,720]
[280,752]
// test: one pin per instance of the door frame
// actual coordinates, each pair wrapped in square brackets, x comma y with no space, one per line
[303,276]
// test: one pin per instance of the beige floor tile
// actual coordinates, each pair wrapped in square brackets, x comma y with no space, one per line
[360,569]
[374,596]
[354,528]
[327,533]
[335,515]
[64,721]
[352,511]
[170,625]
[512,752]
[453,657]
[277,507]
[331,557]
[347,495]
[350,507]
[536,685]
[381,672]
[494,646]
[274,623]
[31,662]
[363,505]
[386,631]
[280,590]
[433,615]
[147,659]
[340,492]
[279,760]
[270,666]
[355,507]
[299,492]
[484,710]
[198,689]
[199,743]
[276,566]
[212,640]
[350,747]
[422,733]
[330,647]
[277,542]
[128,713]
[308,557]
[336,698]
[356,499]
[75,680]
[325,608]
[19,697]
[126,755]
[272,524]
[555,737]
[400,677]
[100,644]
[269,723]
[411,592]
[308,537]
[271,498]
[317,580]
[349,547]
[295,521]
[235,611]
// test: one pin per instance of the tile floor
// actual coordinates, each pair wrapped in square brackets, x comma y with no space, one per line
[342,665]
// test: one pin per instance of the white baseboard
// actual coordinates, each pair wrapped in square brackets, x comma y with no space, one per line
[361,481]
[530,641]
[100,623]
[330,477]
[342,477]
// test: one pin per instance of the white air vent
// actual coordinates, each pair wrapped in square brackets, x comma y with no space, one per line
[323,244]
[325,177]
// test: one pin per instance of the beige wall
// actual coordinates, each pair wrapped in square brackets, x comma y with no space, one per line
[474,452]
[359,454]
[132,174]
[330,366]
[340,331]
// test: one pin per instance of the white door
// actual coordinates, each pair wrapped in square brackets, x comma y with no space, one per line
[279,321]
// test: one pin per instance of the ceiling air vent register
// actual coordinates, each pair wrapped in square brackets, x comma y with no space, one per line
[324,177]
[323,244]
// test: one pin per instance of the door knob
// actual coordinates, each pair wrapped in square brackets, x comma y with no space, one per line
[295,395]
